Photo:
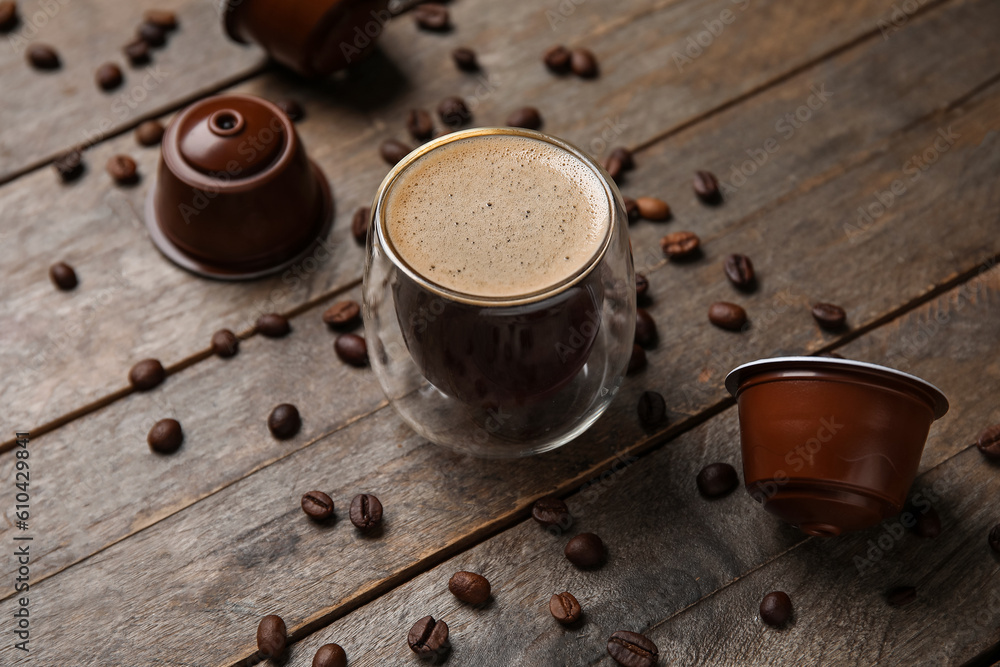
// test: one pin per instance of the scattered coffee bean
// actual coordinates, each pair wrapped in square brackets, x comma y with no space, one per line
[330,655]
[149,133]
[432,16]
[137,52]
[631,209]
[69,165]
[166,436]
[344,314]
[624,155]
[272,637]
[632,649]
[583,63]
[565,608]
[989,442]
[465,59]
[63,276]
[469,587]
[122,169]
[776,608]
[284,421]
[900,596]
[42,56]
[161,18]
[652,208]
[152,34]
[419,124]
[717,479]
[225,344]
[637,361]
[652,409]
[291,108]
[526,117]
[928,522]
[557,59]
[613,166]
[108,76]
[641,285]
[994,539]
[829,316]
[428,637]
[739,270]
[8,15]
[645,328]
[392,151]
[351,349]
[727,315]
[359,224]
[680,245]
[551,511]
[366,511]
[317,505]
[454,112]
[273,325]
[146,375]
[586,551]
[706,186]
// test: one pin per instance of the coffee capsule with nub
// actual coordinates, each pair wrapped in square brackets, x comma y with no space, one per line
[831,445]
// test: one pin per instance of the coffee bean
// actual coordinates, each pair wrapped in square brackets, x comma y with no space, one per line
[122,169]
[632,649]
[727,315]
[359,224]
[8,15]
[161,18]
[641,285]
[317,505]
[469,587]
[42,56]
[989,442]
[624,155]
[428,637]
[152,34]
[273,325]
[63,276]
[419,124]
[69,165]
[631,209]
[565,608]
[776,608]
[717,479]
[351,349]
[994,538]
[166,436]
[739,270]
[137,52]
[454,112]
[829,316]
[900,596]
[586,551]
[343,315]
[432,16]
[551,511]
[225,344]
[652,409]
[330,655]
[645,328]
[108,76]
[149,133]
[526,117]
[583,63]
[284,421]
[706,186]
[146,375]
[392,151]
[637,361]
[652,208]
[465,59]
[291,108]
[366,511]
[272,637]
[613,166]
[927,522]
[680,245]
[557,59]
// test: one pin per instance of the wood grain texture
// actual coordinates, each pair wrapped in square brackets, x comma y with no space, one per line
[72,350]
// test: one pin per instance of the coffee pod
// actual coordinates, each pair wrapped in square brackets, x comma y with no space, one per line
[235,196]
[313,37]
[831,445]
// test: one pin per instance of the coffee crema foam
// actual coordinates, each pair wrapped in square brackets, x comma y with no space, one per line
[497,215]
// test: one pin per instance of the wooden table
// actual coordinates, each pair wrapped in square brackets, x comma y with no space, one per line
[815,115]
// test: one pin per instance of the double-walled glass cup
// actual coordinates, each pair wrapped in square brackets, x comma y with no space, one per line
[500,376]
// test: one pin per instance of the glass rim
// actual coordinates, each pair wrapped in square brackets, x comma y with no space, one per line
[381,234]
